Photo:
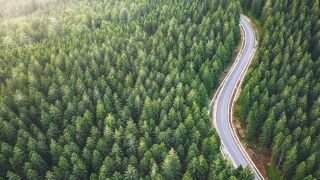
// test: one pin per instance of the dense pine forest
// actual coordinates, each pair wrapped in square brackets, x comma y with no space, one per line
[280,101]
[119,89]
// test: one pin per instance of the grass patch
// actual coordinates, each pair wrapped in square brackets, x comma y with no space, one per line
[273,173]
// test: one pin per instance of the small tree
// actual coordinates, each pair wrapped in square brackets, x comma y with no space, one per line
[171,166]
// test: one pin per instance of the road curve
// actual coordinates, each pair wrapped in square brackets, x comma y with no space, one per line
[222,102]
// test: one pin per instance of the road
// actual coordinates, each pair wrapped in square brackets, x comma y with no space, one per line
[223,100]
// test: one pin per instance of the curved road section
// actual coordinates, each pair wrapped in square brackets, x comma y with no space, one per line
[223,100]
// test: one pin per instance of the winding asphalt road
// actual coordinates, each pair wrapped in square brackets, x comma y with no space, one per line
[231,145]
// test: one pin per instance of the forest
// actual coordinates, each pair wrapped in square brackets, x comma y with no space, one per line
[280,101]
[120,89]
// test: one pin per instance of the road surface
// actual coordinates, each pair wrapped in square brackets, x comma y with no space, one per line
[222,101]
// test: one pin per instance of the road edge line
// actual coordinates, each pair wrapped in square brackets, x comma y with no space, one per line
[218,91]
[233,99]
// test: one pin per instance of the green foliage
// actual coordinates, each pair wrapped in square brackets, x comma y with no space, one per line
[279,104]
[273,173]
[171,166]
[114,89]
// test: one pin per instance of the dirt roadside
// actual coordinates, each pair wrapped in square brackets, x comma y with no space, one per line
[256,158]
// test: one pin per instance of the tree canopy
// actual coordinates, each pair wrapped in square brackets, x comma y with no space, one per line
[279,104]
[115,89]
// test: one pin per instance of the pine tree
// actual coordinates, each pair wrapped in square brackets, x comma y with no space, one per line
[131,173]
[267,132]
[290,161]
[171,166]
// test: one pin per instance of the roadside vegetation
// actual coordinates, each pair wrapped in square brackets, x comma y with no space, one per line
[114,89]
[279,104]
